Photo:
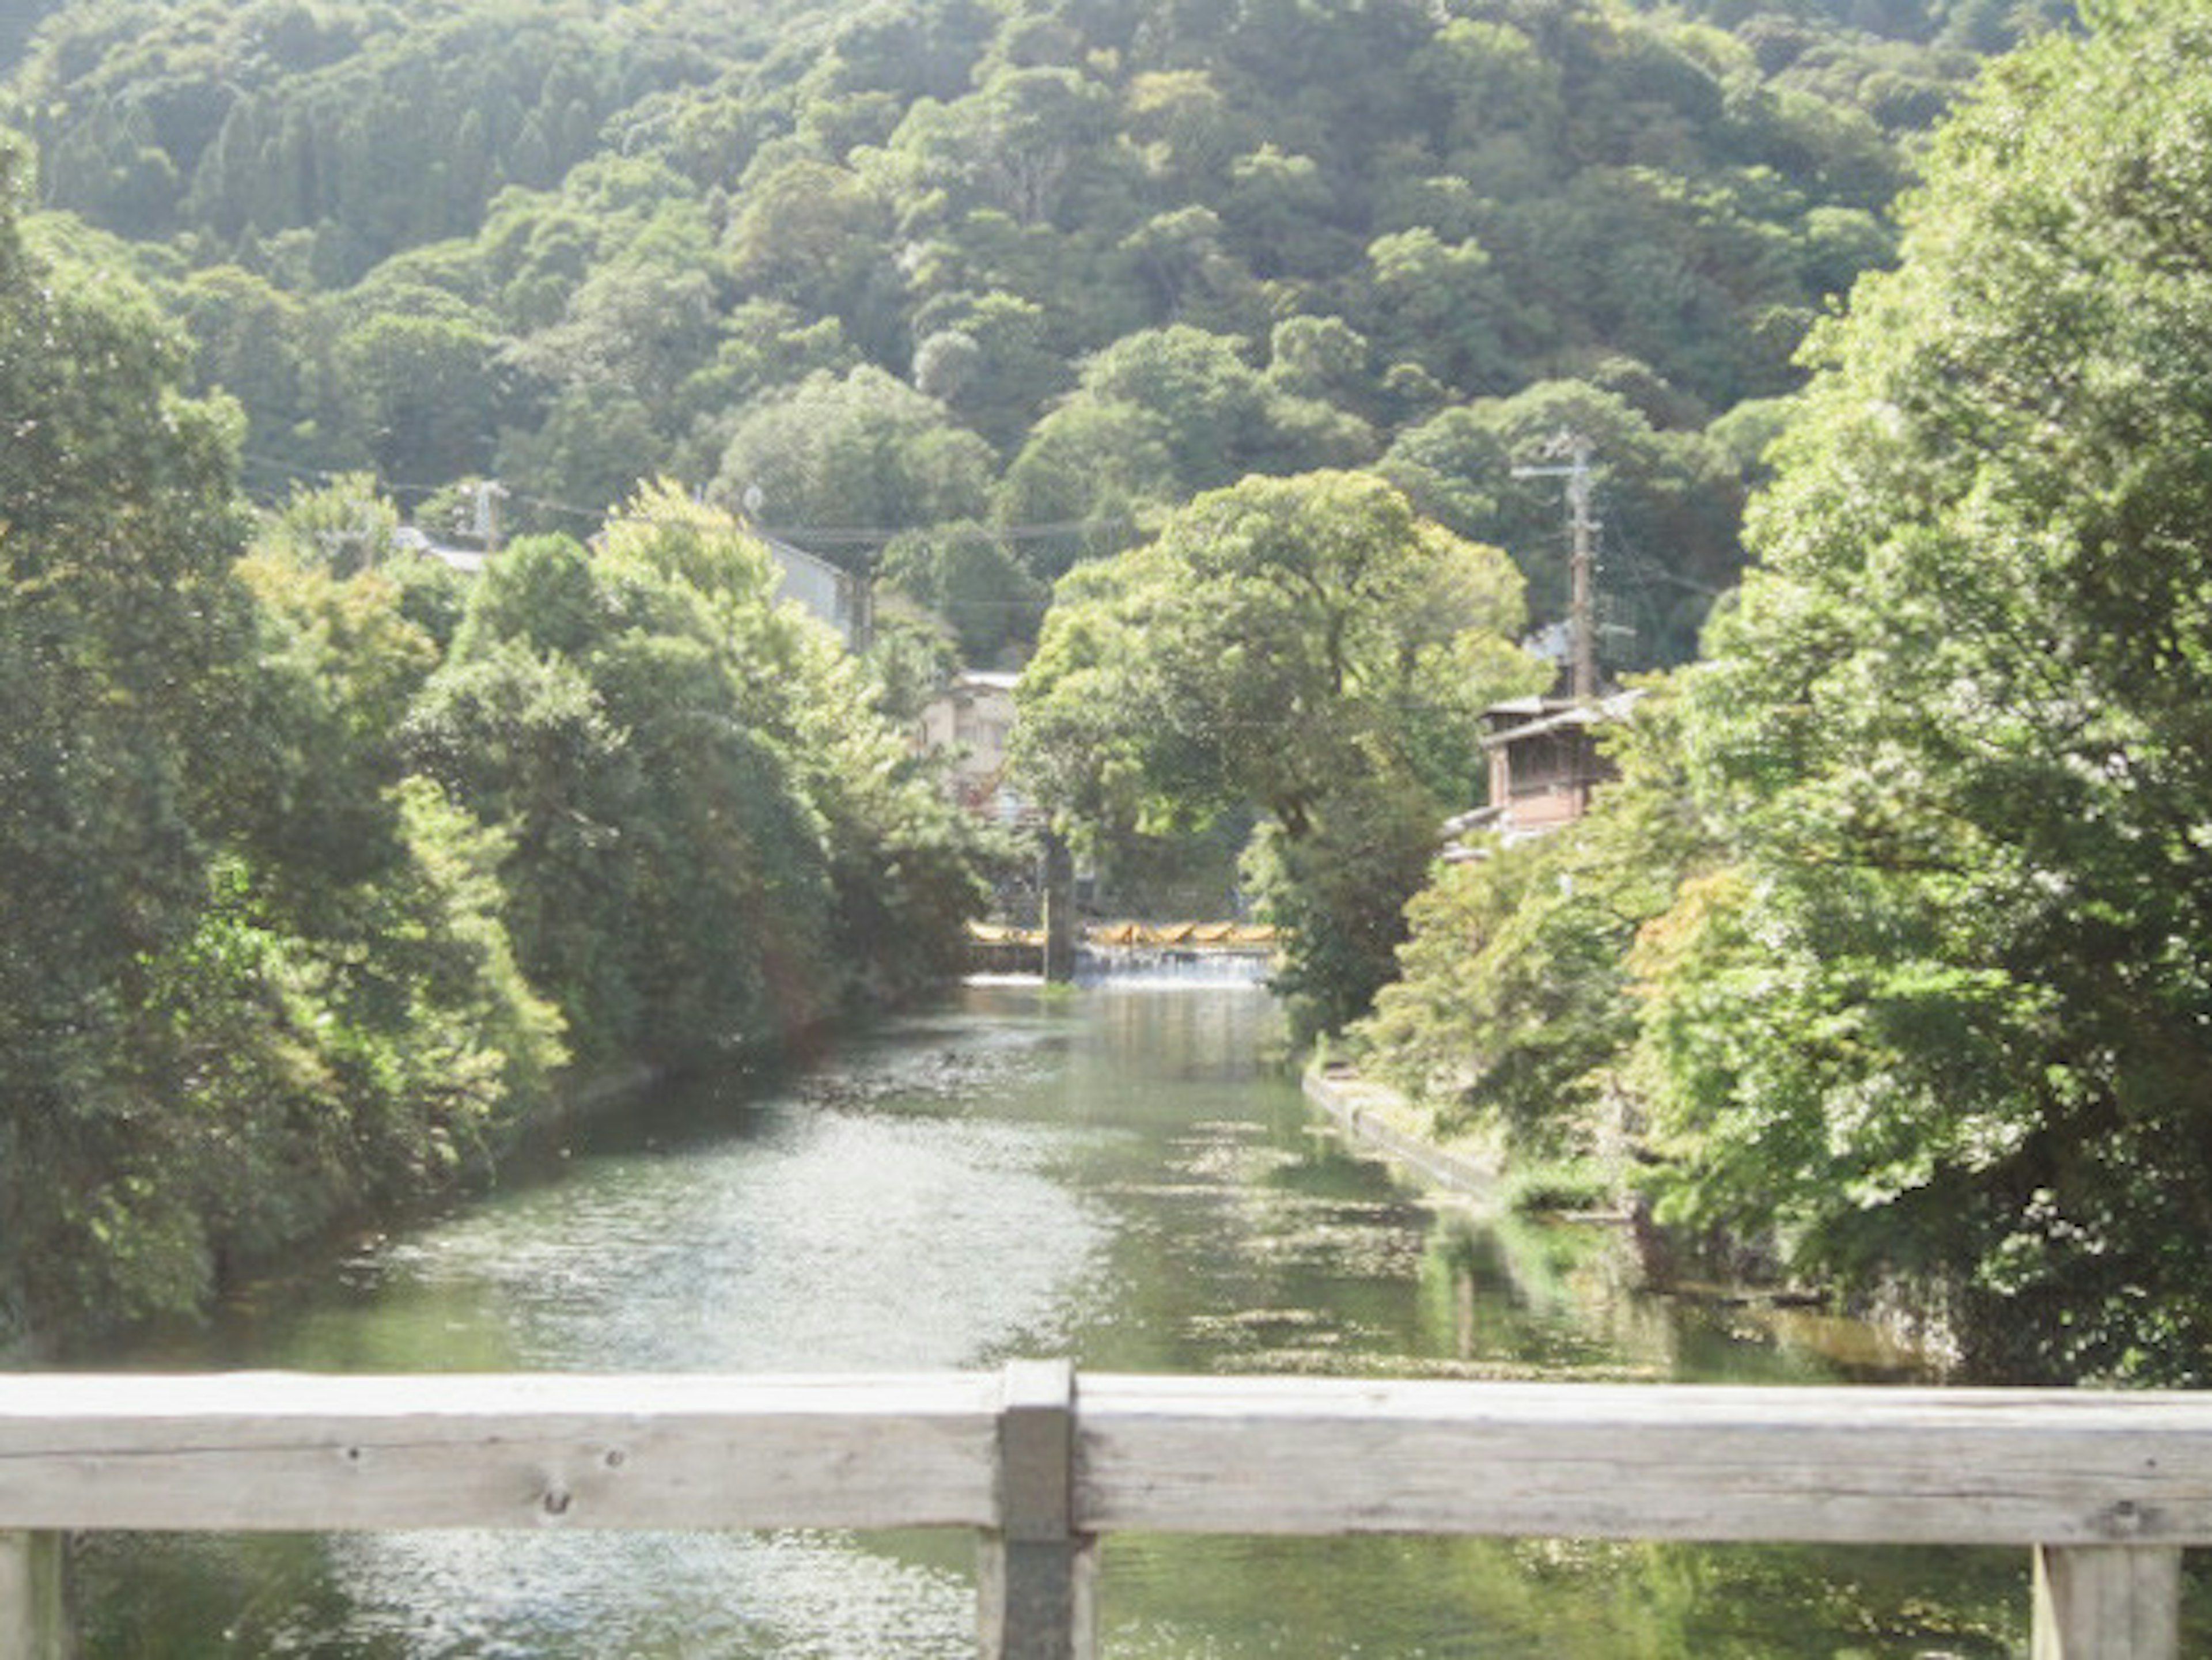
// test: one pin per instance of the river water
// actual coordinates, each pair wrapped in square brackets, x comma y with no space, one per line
[1125,1174]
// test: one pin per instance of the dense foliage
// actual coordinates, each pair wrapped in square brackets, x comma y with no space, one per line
[1043,275]
[716,840]
[1233,323]
[1306,646]
[1513,1010]
[248,978]
[296,902]
[1947,1010]
[1928,1004]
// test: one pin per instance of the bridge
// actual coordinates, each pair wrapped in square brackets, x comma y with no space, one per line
[2105,1490]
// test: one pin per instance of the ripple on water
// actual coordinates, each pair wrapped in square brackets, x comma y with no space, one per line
[795,1595]
[945,1243]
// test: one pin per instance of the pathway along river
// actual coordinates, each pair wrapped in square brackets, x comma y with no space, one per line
[1125,1175]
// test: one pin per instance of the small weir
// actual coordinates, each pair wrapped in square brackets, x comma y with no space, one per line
[1194,953]
[1169,966]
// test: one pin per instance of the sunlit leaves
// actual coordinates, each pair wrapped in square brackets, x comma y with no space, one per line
[1953,737]
[1306,646]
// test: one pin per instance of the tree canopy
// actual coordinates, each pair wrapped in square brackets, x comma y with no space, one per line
[1920,996]
[1053,271]
[316,873]
[1307,647]
[1953,741]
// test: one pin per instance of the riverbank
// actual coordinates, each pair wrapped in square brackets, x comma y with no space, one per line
[1378,1117]
[1894,1338]
[529,1135]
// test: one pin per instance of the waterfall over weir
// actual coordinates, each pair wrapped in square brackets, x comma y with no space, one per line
[1134,966]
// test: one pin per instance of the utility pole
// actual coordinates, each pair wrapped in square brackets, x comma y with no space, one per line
[489,493]
[1582,563]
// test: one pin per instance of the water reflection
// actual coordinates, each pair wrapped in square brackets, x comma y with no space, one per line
[1122,1175]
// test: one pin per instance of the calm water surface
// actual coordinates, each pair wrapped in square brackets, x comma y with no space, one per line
[1125,1175]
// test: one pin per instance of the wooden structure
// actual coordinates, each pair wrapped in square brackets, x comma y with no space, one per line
[1544,763]
[2106,1489]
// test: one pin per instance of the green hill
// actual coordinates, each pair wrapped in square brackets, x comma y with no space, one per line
[1015,280]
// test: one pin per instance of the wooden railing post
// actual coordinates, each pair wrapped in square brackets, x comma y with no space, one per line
[2107,1602]
[1035,1574]
[33,1617]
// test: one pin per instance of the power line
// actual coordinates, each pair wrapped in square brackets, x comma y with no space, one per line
[827,535]
[862,535]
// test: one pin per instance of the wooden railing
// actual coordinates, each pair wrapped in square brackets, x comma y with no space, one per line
[2105,1489]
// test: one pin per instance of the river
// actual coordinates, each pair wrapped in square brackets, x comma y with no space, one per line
[1124,1174]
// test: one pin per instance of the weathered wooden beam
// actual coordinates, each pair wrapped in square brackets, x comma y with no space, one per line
[1036,1576]
[2107,1487]
[1216,1454]
[1316,1455]
[295,1453]
[34,1614]
[2108,1602]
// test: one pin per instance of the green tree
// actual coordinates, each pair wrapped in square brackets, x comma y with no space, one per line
[1514,1010]
[855,449]
[1017,143]
[250,975]
[1442,305]
[1670,501]
[1942,1014]
[988,360]
[349,1017]
[119,627]
[810,234]
[1307,647]
[251,343]
[971,579]
[1207,400]
[1096,469]
[637,328]
[423,392]
[715,838]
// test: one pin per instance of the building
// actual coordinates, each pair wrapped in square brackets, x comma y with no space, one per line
[970,719]
[1544,763]
[836,597]
[467,561]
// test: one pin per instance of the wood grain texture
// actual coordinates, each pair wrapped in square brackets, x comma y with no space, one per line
[33,1616]
[246,1453]
[1629,1461]
[1036,1599]
[1205,1455]
[1036,1577]
[2106,1603]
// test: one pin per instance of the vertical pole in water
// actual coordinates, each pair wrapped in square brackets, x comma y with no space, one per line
[1058,910]
[2107,1602]
[33,1617]
[1034,1576]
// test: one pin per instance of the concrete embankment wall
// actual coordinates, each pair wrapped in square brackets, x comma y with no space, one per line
[1362,1110]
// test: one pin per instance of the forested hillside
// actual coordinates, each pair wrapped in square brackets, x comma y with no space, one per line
[1889,951]
[979,289]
